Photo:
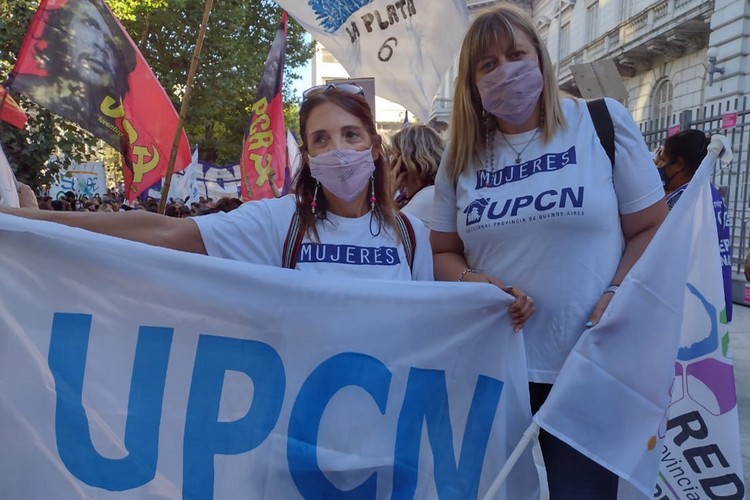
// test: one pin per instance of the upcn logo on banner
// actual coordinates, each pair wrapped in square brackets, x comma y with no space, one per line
[425,401]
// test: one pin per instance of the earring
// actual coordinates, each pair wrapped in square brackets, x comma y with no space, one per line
[372,193]
[314,202]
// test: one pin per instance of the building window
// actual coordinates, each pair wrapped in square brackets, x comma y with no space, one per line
[662,112]
[326,56]
[592,20]
[564,39]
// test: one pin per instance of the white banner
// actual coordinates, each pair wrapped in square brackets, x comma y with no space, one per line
[84,179]
[406,45]
[187,376]
[8,186]
[649,392]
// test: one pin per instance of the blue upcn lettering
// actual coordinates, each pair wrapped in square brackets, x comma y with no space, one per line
[206,436]
[542,202]
[342,370]
[426,403]
[67,362]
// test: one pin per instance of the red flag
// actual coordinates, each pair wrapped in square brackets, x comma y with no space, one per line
[10,111]
[264,147]
[78,61]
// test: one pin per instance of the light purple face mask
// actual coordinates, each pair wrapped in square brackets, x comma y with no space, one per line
[511,91]
[343,172]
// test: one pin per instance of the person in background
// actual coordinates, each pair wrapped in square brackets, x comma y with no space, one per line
[677,160]
[272,182]
[342,208]
[26,196]
[527,196]
[415,152]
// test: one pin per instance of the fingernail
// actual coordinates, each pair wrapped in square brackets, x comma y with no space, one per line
[509,287]
[517,329]
[589,324]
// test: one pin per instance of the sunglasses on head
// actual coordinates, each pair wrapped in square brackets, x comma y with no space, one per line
[349,88]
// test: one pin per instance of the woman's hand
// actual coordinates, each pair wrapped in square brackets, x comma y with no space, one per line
[599,309]
[520,310]
[397,175]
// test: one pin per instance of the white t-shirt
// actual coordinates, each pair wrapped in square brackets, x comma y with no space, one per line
[551,223]
[255,232]
[420,205]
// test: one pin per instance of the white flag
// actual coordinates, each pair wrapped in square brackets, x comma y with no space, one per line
[649,392]
[181,185]
[293,153]
[406,45]
[8,186]
[251,382]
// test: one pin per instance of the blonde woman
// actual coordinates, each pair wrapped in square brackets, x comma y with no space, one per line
[416,153]
[527,195]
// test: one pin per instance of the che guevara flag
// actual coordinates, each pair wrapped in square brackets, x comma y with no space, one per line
[78,61]
[10,111]
[264,146]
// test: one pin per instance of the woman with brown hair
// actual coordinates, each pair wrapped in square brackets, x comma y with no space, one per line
[341,219]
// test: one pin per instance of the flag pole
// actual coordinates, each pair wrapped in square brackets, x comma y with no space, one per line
[529,435]
[183,108]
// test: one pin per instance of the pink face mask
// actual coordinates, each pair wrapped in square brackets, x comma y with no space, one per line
[511,91]
[343,172]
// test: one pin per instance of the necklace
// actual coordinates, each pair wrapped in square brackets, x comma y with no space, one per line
[519,153]
[489,150]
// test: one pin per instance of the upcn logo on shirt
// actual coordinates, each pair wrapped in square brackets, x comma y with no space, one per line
[348,254]
[485,208]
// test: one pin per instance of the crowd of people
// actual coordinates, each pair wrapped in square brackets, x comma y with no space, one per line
[114,201]
[484,208]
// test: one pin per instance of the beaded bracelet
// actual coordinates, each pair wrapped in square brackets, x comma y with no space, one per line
[467,270]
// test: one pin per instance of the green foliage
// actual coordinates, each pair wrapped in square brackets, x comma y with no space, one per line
[235,48]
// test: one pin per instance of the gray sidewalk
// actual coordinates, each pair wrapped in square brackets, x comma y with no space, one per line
[739,338]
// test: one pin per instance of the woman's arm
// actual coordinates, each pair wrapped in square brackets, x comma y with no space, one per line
[638,229]
[450,265]
[135,225]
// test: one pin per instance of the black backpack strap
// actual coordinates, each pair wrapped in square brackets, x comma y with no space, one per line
[408,237]
[605,129]
[292,243]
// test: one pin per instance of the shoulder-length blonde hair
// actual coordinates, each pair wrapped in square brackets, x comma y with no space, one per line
[420,148]
[470,123]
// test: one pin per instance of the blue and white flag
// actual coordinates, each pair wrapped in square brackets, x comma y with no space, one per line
[210,378]
[649,392]
[182,184]
[407,46]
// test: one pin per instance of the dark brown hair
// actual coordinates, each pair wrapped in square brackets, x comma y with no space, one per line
[304,182]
